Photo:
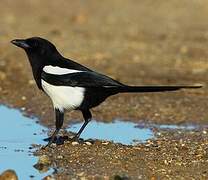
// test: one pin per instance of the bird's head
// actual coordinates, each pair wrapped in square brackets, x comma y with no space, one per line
[36,47]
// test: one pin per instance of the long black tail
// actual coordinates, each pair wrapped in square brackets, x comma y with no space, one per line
[141,89]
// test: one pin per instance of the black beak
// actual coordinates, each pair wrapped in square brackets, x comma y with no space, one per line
[20,43]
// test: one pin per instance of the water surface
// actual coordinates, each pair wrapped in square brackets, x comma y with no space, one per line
[118,131]
[125,132]
[16,135]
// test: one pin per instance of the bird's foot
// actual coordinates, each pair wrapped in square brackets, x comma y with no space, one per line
[61,139]
[56,140]
[48,139]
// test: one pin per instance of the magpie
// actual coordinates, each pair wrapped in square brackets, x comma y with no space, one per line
[72,86]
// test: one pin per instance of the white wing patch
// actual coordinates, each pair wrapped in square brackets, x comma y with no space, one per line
[64,97]
[58,70]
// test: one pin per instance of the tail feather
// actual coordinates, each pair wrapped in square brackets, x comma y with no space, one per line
[141,89]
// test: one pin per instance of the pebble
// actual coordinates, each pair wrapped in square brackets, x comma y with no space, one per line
[23,98]
[44,159]
[153,178]
[105,143]
[9,175]
[23,108]
[88,143]
[60,157]
[43,164]
[80,174]
[159,134]
[157,114]
[31,82]
[48,178]
[2,63]
[74,143]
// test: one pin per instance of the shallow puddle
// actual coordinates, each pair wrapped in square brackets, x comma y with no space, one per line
[16,135]
[118,131]
[124,132]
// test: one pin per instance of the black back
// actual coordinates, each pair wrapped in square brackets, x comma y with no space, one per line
[41,52]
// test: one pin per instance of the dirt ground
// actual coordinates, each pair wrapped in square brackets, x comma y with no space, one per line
[136,42]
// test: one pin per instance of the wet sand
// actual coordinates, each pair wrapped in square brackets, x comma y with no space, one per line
[135,42]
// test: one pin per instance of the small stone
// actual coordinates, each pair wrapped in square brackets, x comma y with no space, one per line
[9,175]
[159,133]
[140,177]
[88,143]
[2,63]
[80,174]
[44,159]
[43,164]
[23,108]
[157,114]
[153,178]
[204,132]
[60,157]
[74,143]
[53,145]
[31,82]
[48,178]
[23,98]
[105,143]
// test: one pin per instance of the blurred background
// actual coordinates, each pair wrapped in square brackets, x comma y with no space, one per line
[134,41]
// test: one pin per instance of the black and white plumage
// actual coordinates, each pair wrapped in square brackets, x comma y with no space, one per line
[72,86]
[60,94]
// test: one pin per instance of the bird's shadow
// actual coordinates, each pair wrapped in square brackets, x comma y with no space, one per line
[61,139]
[58,140]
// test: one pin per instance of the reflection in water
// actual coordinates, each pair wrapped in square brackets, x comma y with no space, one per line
[124,132]
[118,131]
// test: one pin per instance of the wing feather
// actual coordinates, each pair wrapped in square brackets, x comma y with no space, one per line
[81,79]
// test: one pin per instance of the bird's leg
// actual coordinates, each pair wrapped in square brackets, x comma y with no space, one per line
[87,117]
[59,122]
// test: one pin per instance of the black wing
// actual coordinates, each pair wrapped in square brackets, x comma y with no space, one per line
[91,79]
[81,79]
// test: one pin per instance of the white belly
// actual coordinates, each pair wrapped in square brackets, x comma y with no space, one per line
[64,97]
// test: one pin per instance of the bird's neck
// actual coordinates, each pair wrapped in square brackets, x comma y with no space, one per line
[37,67]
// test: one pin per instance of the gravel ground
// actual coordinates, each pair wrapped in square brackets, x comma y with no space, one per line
[173,155]
[135,42]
